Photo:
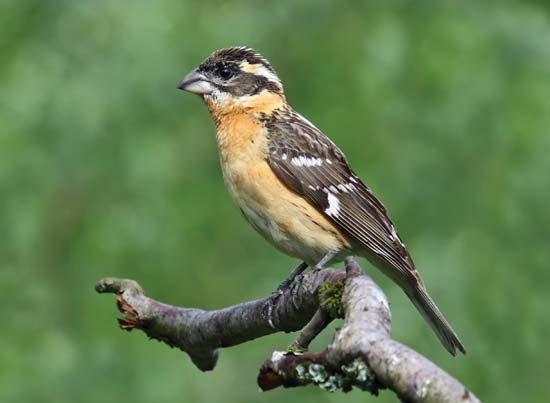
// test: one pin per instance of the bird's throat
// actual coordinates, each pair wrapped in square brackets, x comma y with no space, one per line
[223,106]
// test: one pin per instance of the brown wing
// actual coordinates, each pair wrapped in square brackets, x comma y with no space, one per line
[311,165]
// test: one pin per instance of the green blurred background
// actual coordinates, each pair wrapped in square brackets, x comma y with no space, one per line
[106,169]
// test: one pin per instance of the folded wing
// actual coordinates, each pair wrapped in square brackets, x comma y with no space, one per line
[307,162]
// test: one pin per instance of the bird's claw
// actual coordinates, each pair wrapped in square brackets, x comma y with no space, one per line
[270,303]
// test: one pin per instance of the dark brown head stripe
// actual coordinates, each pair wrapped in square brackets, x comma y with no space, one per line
[238,55]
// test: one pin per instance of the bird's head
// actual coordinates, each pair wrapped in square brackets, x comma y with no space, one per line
[237,78]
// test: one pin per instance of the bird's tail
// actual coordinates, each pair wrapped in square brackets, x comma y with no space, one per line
[431,313]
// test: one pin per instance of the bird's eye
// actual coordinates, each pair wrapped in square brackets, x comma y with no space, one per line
[225,72]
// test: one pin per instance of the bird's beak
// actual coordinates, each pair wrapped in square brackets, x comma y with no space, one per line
[196,83]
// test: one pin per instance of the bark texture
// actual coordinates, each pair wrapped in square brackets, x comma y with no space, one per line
[362,354]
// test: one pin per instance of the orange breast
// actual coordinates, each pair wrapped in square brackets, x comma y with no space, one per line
[281,216]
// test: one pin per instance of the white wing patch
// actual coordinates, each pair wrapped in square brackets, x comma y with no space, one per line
[395,237]
[333,205]
[303,161]
[346,187]
[393,234]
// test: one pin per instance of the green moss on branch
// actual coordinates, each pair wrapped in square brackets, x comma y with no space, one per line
[330,298]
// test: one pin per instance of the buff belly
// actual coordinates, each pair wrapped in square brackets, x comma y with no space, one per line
[283,218]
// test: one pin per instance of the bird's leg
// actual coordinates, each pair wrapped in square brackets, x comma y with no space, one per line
[281,288]
[290,278]
[325,260]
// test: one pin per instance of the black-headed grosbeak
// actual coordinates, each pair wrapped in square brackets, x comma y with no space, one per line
[293,184]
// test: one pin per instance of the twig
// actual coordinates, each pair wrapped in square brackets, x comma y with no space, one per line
[362,354]
[199,332]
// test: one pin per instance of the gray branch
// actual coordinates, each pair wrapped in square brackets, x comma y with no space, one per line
[362,354]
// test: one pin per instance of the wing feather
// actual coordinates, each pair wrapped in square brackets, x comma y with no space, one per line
[311,165]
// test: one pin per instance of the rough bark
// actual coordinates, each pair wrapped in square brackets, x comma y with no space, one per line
[362,354]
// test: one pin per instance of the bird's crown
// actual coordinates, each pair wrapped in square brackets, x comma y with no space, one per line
[239,55]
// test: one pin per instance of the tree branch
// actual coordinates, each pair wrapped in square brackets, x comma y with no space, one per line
[362,353]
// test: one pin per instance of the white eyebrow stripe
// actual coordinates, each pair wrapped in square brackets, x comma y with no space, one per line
[260,69]
[263,71]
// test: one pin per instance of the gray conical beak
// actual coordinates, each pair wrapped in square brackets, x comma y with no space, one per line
[196,83]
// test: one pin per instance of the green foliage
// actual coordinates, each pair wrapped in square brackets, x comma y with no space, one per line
[106,169]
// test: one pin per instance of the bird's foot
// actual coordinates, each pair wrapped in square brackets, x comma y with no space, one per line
[316,268]
[284,286]
[270,304]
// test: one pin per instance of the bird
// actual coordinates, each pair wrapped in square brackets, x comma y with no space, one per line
[294,185]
